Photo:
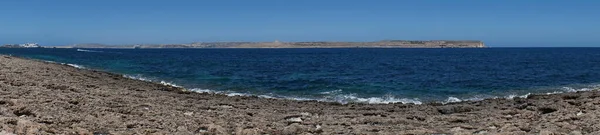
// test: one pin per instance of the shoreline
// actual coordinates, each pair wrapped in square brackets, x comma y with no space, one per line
[415,101]
[53,98]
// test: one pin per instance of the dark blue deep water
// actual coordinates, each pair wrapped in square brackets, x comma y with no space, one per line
[349,75]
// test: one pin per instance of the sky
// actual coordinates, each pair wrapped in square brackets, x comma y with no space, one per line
[499,23]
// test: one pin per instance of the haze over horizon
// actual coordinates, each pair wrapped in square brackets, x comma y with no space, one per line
[510,23]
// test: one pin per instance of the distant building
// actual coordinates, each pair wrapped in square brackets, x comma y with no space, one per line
[30,45]
[26,45]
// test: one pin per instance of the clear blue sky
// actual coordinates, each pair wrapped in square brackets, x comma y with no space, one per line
[499,23]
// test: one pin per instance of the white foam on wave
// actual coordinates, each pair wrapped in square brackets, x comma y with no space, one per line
[512,96]
[483,97]
[68,64]
[345,98]
[236,94]
[203,90]
[228,93]
[75,66]
[52,62]
[452,100]
[352,97]
[137,77]
[266,96]
[341,98]
[388,100]
[84,50]
[141,78]
[170,84]
[332,92]
[589,88]
[576,89]
[338,96]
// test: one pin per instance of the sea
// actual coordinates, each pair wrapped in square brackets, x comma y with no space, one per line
[348,75]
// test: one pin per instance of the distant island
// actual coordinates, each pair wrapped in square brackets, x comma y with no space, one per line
[278,44]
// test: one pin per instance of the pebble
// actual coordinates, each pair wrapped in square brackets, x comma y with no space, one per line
[295,119]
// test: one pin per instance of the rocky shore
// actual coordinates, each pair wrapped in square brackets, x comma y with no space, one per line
[47,98]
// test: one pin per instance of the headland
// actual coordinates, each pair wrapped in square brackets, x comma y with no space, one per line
[324,44]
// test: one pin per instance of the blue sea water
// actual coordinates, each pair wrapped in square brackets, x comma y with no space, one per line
[349,75]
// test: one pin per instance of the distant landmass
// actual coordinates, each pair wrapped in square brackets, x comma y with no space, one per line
[325,44]
[26,45]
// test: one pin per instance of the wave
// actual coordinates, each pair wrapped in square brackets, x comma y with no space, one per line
[334,97]
[83,50]
[591,87]
[378,100]
[338,96]
[74,65]
[344,98]
[68,64]
[147,79]
[331,92]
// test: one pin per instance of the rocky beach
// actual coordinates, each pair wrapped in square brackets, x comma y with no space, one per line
[39,97]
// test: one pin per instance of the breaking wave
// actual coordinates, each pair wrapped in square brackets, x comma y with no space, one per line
[340,98]
[512,96]
[74,65]
[68,64]
[333,96]
[147,79]
[345,98]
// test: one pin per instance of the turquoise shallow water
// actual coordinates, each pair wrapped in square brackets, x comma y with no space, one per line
[349,75]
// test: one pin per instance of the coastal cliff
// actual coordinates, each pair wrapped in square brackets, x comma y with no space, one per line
[325,44]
